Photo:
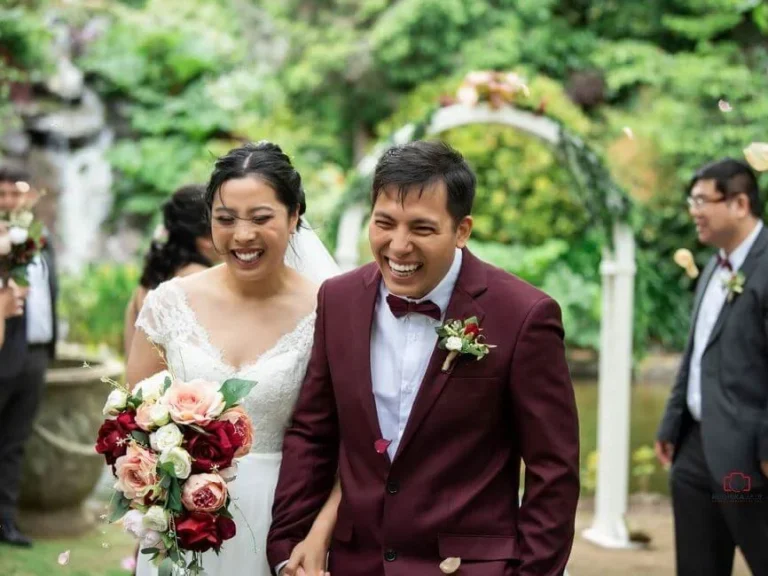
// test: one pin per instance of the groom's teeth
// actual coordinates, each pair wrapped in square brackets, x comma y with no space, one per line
[404,269]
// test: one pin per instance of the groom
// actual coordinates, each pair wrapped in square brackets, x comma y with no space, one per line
[429,459]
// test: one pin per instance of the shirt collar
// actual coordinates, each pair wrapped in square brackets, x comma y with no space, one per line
[440,294]
[741,252]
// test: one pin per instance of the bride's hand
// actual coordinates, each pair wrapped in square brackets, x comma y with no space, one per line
[307,558]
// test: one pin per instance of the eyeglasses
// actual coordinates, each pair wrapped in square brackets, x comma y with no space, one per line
[700,201]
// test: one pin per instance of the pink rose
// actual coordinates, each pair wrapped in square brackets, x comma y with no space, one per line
[243,429]
[204,493]
[195,402]
[136,472]
[143,417]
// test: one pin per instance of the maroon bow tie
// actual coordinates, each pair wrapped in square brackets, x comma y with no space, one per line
[724,263]
[400,307]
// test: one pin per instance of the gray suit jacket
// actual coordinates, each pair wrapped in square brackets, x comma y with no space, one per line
[734,376]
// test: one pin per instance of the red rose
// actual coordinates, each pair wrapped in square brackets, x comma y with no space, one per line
[110,434]
[472,330]
[200,531]
[215,449]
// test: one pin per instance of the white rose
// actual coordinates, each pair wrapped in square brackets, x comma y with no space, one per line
[5,245]
[181,460]
[152,387]
[454,344]
[18,235]
[165,438]
[159,414]
[229,474]
[116,402]
[156,519]
[133,524]
[152,539]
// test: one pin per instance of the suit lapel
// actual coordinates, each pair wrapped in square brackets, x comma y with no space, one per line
[749,265]
[362,322]
[462,305]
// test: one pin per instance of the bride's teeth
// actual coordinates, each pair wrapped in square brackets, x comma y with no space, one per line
[247,256]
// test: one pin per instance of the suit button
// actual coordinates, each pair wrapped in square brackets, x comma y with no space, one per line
[390,555]
[393,487]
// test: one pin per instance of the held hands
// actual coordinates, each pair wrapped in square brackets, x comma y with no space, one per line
[307,558]
[12,301]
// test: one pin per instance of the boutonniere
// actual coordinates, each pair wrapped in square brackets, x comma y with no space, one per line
[734,283]
[462,338]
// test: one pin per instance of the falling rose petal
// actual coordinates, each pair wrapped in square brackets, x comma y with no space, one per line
[64,558]
[381,445]
[724,106]
[757,155]
[629,133]
[128,563]
[450,565]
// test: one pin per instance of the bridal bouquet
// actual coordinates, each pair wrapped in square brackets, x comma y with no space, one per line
[21,239]
[173,447]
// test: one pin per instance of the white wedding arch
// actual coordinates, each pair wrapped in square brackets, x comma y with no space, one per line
[609,205]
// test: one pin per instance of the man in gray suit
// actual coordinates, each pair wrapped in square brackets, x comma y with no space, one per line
[714,433]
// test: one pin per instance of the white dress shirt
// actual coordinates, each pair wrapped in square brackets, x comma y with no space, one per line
[400,353]
[711,303]
[39,305]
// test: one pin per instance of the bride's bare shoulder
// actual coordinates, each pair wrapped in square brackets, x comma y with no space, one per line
[202,284]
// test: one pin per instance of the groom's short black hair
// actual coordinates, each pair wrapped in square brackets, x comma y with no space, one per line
[419,164]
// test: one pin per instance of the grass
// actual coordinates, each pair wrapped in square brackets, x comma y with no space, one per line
[88,556]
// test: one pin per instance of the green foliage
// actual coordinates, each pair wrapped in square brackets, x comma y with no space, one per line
[92,305]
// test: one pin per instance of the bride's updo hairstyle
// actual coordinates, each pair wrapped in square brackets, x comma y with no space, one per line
[265,161]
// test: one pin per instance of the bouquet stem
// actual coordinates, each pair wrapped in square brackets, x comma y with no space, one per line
[449,359]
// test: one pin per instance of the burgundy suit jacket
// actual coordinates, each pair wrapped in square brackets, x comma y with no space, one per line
[452,488]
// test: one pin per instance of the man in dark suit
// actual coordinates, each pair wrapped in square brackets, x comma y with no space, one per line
[714,432]
[30,343]
[428,444]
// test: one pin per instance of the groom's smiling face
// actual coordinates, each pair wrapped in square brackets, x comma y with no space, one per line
[414,237]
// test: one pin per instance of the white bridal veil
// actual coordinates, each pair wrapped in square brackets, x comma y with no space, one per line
[308,255]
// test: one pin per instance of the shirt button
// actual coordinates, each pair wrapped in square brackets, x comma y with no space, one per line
[393,487]
[390,555]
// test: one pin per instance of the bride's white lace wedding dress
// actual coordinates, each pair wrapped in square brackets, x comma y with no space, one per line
[167,318]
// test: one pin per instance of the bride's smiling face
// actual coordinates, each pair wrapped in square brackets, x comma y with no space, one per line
[251,227]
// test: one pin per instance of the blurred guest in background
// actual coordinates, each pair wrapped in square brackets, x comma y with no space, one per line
[182,245]
[714,432]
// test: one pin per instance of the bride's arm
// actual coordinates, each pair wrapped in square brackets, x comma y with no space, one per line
[322,527]
[144,360]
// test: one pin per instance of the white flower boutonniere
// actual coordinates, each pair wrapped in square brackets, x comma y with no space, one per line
[462,337]
[734,283]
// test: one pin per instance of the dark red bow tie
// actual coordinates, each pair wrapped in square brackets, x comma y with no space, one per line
[724,263]
[400,307]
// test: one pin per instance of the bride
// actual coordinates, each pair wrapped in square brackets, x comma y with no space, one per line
[251,318]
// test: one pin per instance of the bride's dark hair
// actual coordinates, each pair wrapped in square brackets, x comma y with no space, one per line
[263,160]
[184,221]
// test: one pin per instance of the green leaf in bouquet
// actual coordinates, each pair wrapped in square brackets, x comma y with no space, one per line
[198,429]
[224,512]
[174,496]
[168,468]
[165,568]
[150,550]
[137,398]
[140,437]
[119,506]
[166,384]
[235,390]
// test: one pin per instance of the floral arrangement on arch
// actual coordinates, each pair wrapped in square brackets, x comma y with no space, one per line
[496,88]
[21,238]
[173,447]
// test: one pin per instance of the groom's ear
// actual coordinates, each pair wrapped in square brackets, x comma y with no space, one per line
[463,231]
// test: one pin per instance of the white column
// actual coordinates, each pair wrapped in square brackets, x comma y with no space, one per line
[347,253]
[618,271]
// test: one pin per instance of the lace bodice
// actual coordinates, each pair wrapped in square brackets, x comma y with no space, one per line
[169,321]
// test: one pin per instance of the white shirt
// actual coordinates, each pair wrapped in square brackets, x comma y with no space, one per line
[400,352]
[711,303]
[39,305]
